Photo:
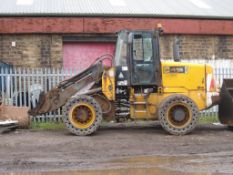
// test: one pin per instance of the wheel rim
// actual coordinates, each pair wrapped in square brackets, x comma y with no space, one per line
[82,115]
[179,115]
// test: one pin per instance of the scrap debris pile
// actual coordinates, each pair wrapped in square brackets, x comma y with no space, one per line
[8,125]
[12,117]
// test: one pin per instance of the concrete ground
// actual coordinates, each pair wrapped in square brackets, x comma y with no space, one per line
[133,148]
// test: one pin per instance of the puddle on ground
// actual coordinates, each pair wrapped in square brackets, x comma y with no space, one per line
[140,165]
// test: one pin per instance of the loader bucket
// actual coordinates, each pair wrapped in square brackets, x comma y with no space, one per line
[40,105]
[225,112]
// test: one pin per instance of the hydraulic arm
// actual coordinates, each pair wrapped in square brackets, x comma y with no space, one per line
[82,83]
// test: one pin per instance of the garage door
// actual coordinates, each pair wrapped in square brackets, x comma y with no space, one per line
[81,55]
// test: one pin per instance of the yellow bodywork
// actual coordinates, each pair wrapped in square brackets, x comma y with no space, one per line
[108,83]
[177,78]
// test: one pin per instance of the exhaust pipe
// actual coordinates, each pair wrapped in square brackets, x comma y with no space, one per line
[176,55]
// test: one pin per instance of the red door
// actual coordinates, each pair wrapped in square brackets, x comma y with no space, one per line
[81,55]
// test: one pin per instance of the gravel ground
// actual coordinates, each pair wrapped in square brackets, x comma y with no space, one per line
[135,148]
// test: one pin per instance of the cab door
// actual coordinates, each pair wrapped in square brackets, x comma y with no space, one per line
[144,59]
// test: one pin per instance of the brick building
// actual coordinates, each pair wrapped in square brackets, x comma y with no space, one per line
[72,33]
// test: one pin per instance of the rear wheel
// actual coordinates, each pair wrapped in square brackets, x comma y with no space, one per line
[178,114]
[82,115]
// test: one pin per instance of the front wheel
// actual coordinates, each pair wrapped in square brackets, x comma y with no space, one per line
[178,114]
[82,115]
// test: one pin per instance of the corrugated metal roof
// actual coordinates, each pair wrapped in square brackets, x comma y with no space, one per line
[154,8]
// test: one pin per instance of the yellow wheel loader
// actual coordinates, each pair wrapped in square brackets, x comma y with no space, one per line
[138,86]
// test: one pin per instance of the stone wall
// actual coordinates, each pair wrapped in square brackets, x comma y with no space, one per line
[31,50]
[198,46]
[45,50]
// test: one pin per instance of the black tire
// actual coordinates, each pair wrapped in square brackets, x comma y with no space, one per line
[178,114]
[68,115]
[230,128]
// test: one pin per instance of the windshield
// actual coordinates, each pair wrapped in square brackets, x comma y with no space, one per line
[142,48]
[121,50]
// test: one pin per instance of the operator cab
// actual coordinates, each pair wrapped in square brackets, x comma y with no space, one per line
[137,59]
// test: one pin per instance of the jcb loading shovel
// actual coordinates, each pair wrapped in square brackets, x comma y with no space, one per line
[225,112]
